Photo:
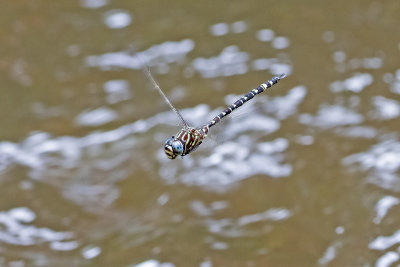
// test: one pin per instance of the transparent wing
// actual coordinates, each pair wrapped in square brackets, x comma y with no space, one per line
[147,72]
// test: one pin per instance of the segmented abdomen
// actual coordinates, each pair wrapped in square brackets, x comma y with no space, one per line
[244,99]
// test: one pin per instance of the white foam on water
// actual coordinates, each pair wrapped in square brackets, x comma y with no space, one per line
[167,52]
[285,106]
[231,162]
[385,108]
[381,161]
[395,87]
[332,116]
[387,259]
[275,214]
[229,62]
[383,206]
[96,117]
[117,19]
[219,29]
[329,254]
[382,157]
[239,26]
[357,132]
[94,3]
[372,63]
[16,229]
[339,56]
[22,214]
[356,83]
[91,252]
[236,227]
[64,245]
[263,63]
[117,91]
[153,263]
[385,242]
[280,42]
[265,35]
[328,36]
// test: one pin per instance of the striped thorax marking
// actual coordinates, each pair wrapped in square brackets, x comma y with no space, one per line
[191,138]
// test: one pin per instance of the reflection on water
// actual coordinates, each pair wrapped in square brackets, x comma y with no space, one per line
[93,3]
[383,206]
[17,231]
[332,116]
[116,19]
[159,55]
[383,161]
[386,109]
[354,84]
[305,174]
[153,263]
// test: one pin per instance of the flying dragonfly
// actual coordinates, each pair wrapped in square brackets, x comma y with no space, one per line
[189,138]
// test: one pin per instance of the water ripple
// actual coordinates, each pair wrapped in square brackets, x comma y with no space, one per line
[153,263]
[96,117]
[355,84]
[93,3]
[385,109]
[265,35]
[117,19]
[385,242]
[220,29]
[387,259]
[15,229]
[383,160]
[332,116]
[167,52]
[228,63]
[383,206]
[231,162]
[236,227]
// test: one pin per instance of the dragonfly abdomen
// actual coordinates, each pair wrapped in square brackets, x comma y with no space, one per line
[247,97]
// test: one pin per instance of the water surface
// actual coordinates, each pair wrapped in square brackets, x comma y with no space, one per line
[308,174]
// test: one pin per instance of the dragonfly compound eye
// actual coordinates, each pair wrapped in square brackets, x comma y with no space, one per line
[173,148]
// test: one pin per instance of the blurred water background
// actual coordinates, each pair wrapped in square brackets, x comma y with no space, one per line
[308,174]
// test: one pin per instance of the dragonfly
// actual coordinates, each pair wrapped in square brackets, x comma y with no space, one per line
[189,138]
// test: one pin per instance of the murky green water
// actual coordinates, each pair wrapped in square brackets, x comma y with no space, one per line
[307,175]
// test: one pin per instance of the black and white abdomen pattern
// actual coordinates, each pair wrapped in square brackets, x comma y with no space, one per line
[247,97]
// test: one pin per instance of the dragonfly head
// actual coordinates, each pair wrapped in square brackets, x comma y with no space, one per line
[173,148]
